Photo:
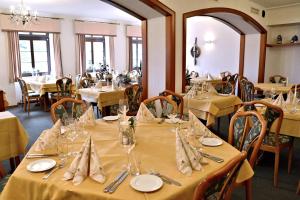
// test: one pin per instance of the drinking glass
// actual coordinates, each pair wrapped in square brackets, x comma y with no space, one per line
[123,108]
[62,144]
[273,93]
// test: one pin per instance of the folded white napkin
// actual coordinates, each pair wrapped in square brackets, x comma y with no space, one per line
[86,163]
[48,137]
[144,114]
[209,77]
[212,89]
[88,118]
[290,97]
[279,101]
[186,157]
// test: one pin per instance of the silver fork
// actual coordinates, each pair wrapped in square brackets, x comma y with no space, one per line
[59,166]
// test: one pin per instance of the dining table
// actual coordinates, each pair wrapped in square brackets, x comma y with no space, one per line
[14,138]
[277,87]
[104,96]
[155,150]
[209,106]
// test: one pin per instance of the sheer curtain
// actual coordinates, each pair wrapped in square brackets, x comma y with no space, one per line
[80,54]
[112,52]
[57,55]
[14,56]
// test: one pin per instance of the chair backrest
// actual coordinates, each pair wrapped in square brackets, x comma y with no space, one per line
[271,113]
[87,75]
[100,76]
[220,184]
[167,105]
[277,79]
[194,74]
[23,86]
[64,87]
[86,83]
[224,74]
[224,87]
[231,79]
[134,95]
[298,90]
[246,130]
[65,107]
[177,98]
[247,90]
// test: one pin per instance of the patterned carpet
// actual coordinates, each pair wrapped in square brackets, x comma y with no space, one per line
[263,188]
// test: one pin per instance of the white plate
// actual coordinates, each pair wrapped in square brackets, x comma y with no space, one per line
[174,121]
[111,118]
[224,95]
[146,183]
[41,165]
[212,142]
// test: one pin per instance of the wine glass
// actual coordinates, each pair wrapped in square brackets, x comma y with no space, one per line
[123,107]
[273,93]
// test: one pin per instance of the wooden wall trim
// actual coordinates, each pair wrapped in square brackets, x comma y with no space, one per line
[170,40]
[145,59]
[242,55]
[262,58]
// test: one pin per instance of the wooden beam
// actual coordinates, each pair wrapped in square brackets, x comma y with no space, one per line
[242,55]
[145,59]
[262,58]
[183,52]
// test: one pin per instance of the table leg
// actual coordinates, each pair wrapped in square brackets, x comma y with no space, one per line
[17,160]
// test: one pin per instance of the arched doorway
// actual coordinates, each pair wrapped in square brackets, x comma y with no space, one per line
[241,23]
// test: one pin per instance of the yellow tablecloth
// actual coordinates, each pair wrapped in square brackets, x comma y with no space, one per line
[106,96]
[14,138]
[277,86]
[208,106]
[156,150]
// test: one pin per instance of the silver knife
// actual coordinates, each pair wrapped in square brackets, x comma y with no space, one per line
[107,188]
[116,185]
[37,155]
[169,179]
[214,158]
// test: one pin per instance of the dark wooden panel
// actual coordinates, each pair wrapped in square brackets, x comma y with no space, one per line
[2,108]
[145,60]
[242,55]
[262,58]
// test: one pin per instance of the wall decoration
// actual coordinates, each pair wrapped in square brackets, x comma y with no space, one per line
[195,51]
[294,39]
[279,39]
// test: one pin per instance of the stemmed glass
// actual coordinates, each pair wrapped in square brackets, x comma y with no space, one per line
[273,93]
[72,132]
[123,108]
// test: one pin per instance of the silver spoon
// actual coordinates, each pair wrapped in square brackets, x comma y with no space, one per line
[59,166]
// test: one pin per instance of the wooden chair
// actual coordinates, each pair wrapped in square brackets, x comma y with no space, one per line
[231,79]
[224,87]
[86,82]
[100,76]
[28,97]
[3,178]
[273,142]
[64,89]
[277,79]
[62,108]
[220,184]
[194,74]
[177,98]
[86,75]
[298,90]
[134,95]
[167,105]
[247,130]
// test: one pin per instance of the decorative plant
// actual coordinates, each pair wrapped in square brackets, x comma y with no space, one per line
[187,78]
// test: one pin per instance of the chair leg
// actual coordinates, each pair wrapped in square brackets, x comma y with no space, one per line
[219,124]
[12,165]
[17,160]
[290,157]
[28,109]
[248,187]
[2,171]
[276,166]
[25,106]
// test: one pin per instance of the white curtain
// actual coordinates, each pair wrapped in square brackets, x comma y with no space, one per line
[57,55]
[80,54]
[14,56]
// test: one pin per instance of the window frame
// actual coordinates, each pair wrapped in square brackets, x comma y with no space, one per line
[137,41]
[31,37]
[96,38]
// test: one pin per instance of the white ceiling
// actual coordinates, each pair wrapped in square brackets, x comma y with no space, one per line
[275,3]
[78,9]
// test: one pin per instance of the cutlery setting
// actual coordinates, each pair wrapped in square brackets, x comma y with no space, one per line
[166,179]
[40,155]
[116,182]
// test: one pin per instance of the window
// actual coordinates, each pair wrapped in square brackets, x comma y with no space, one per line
[35,53]
[135,52]
[95,50]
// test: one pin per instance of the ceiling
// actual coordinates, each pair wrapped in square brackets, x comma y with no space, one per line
[275,3]
[78,9]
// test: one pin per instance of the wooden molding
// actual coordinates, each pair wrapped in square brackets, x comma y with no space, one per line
[170,40]
[246,18]
[145,59]
[262,58]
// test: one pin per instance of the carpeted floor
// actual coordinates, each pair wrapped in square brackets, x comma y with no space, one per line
[263,188]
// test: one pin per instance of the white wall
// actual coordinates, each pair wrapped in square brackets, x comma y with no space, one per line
[251,62]
[181,7]
[283,15]
[156,56]
[221,55]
